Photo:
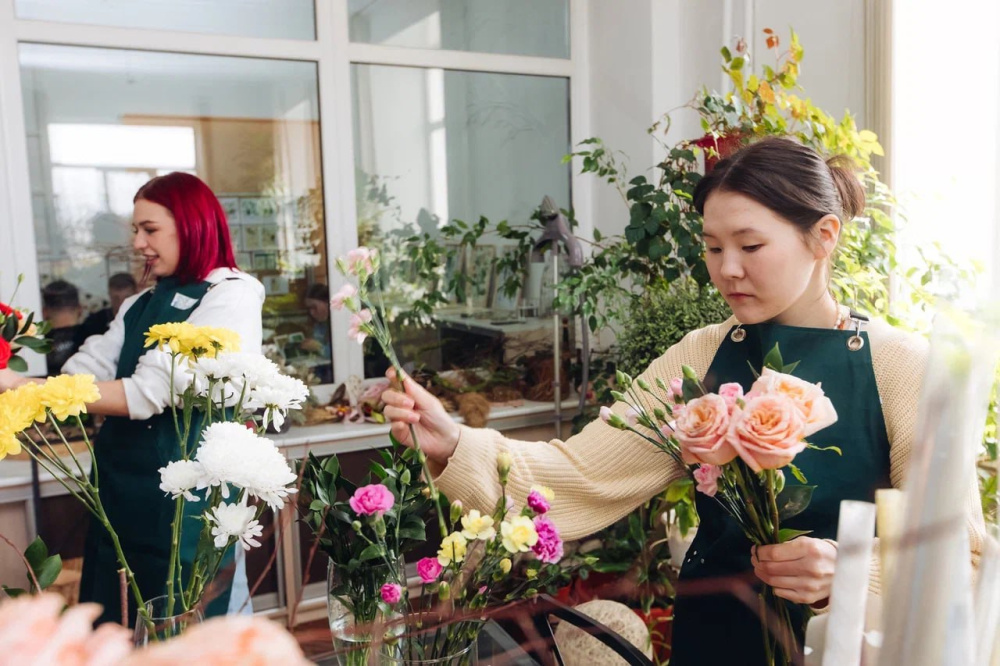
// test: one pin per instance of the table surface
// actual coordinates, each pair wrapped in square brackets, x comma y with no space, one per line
[496,648]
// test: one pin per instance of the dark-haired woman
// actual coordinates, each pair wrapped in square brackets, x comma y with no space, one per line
[181,232]
[773,213]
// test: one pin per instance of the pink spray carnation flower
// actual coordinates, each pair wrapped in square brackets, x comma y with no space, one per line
[537,502]
[392,593]
[360,260]
[372,499]
[429,569]
[549,547]
[341,297]
[677,389]
[731,392]
[359,323]
[707,477]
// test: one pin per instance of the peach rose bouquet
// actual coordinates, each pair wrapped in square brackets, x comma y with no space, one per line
[737,448]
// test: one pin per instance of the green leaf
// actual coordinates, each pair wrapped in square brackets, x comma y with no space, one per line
[13,592]
[9,328]
[773,359]
[27,323]
[332,466]
[679,490]
[787,534]
[17,364]
[35,344]
[36,553]
[797,473]
[835,449]
[793,500]
[370,553]
[49,571]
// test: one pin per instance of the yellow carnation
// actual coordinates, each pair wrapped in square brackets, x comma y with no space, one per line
[478,527]
[545,492]
[68,395]
[519,534]
[452,549]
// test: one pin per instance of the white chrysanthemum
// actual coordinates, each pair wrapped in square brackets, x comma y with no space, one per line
[232,454]
[235,521]
[276,396]
[232,375]
[181,477]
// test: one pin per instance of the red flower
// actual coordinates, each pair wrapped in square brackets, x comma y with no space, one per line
[7,311]
[5,353]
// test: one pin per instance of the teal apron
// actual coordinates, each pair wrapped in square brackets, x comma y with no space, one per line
[129,454]
[718,628]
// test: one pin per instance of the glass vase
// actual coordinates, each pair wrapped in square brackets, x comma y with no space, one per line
[423,644]
[161,625]
[352,604]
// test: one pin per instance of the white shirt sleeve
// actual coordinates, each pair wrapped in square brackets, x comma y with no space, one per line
[233,304]
[98,355]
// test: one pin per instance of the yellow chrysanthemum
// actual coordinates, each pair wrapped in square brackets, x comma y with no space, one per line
[170,335]
[476,526]
[452,549]
[68,395]
[215,340]
[519,535]
[9,444]
[192,341]
[18,408]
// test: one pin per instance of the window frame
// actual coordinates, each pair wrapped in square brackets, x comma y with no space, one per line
[333,54]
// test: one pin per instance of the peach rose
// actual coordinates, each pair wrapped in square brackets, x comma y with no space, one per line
[815,408]
[768,432]
[701,430]
[233,639]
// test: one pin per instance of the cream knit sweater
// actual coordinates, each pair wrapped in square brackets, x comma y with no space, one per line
[603,473]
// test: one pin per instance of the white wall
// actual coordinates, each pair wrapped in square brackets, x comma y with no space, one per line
[651,56]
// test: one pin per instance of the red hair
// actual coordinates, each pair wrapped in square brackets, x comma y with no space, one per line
[202,230]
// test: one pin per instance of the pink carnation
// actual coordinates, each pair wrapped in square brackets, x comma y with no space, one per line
[537,502]
[549,547]
[372,499]
[731,392]
[340,298]
[632,416]
[677,389]
[360,260]
[606,413]
[359,322]
[707,477]
[429,569]
[392,593]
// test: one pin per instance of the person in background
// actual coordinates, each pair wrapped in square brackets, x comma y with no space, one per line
[61,308]
[120,287]
[180,230]
[318,306]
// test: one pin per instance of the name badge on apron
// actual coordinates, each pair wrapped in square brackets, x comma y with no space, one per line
[182,302]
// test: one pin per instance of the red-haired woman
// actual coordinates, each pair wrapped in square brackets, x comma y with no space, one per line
[181,231]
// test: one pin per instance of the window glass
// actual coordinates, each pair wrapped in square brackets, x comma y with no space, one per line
[101,122]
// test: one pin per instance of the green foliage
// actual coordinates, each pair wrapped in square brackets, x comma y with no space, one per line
[325,509]
[667,313]
[45,567]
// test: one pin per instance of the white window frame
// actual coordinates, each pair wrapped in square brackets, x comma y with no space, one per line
[334,55]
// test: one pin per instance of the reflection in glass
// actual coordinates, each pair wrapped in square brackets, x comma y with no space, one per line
[288,19]
[100,123]
[515,27]
[466,145]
